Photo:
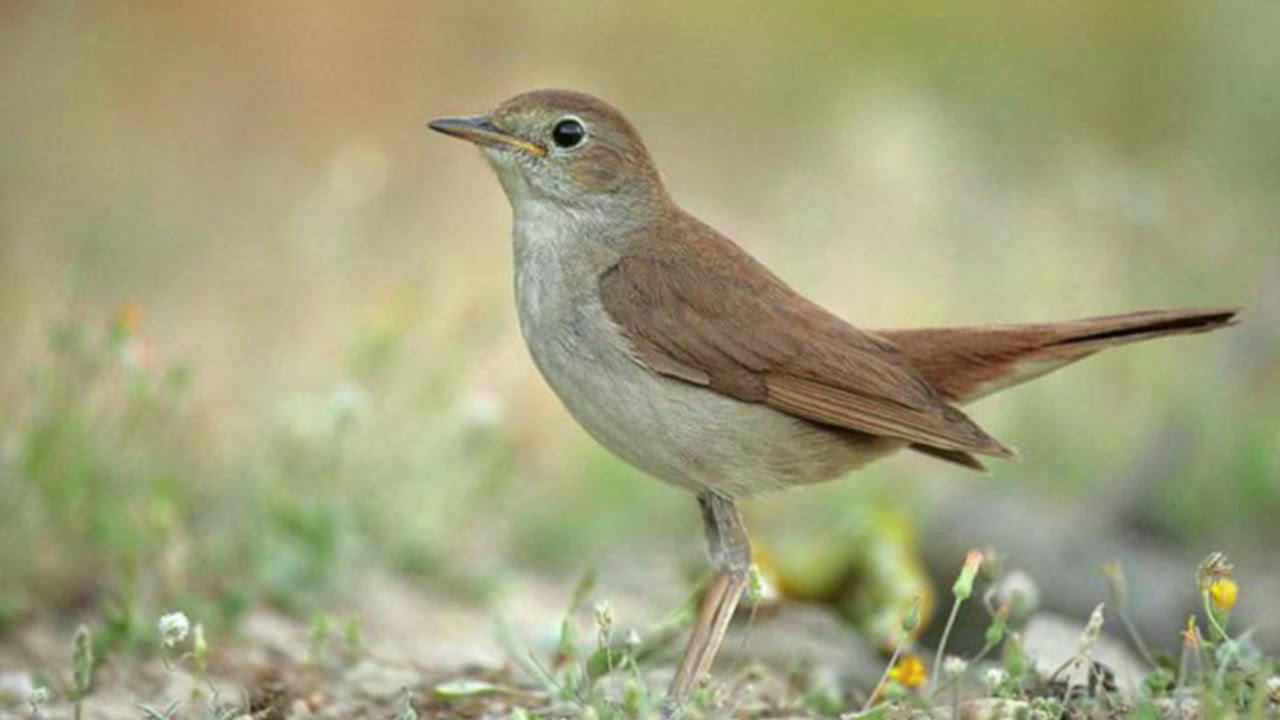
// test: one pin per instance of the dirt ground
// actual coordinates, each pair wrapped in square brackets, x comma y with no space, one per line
[424,656]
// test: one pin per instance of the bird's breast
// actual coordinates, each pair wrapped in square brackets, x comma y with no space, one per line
[681,433]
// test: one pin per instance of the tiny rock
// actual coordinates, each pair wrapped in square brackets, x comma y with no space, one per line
[379,682]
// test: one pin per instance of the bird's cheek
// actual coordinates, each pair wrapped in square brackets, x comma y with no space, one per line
[600,177]
[598,168]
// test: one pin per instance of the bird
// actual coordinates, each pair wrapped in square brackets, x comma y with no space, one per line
[690,360]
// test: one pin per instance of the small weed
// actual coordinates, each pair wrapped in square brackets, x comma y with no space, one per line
[39,698]
[407,710]
[574,672]
[83,664]
[961,590]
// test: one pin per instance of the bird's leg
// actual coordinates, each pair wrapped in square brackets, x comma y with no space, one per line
[730,552]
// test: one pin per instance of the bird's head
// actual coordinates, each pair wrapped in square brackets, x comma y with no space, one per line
[563,148]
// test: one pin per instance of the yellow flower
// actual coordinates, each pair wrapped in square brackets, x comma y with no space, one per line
[128,318]
[909,672]
[1223,592]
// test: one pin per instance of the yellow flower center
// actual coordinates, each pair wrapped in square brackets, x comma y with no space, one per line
[1223,593]
[909,672]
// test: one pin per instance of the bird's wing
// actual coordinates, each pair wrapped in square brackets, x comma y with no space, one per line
[709,314]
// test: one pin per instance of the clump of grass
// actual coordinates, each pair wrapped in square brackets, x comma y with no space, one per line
[575,671]
[83,663]
[1228,677]
[38,699]
[104,449]
[407,710]
[1220,675]
[1118,591]
[174,629]
[185,645]
[121,501]
[131,502]
[333,642]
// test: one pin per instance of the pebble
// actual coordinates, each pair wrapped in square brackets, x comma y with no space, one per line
[379,682]
[16,688]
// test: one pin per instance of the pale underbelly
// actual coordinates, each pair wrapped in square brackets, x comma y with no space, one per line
[682,433]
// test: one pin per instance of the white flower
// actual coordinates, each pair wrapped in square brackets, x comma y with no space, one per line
[136,354]
[604,619]
[633,640]
[995,677]
[173,628]
[39,696]
[481,408]
[1018,591]
[954,666]
[347,402]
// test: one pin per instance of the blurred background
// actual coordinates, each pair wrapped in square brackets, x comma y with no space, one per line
[260,346]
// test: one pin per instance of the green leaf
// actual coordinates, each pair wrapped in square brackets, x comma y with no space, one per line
[586,585]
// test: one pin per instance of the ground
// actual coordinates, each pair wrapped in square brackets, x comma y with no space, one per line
[417,655]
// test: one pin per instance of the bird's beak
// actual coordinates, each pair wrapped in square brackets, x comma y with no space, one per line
[481,131]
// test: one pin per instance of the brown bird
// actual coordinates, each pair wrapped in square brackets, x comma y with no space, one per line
[687,358]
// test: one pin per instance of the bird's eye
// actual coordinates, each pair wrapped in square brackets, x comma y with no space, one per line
[568,133]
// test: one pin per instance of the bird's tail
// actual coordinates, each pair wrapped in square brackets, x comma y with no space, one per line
[967,363]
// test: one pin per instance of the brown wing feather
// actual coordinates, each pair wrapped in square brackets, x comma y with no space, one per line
[963,459]
[697,308]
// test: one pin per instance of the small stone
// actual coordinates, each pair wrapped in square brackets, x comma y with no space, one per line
[15,688]
[1051,640]
[466,688]
[379,682]
[1177,707]
[298,710]
[976,709]
[993,709]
